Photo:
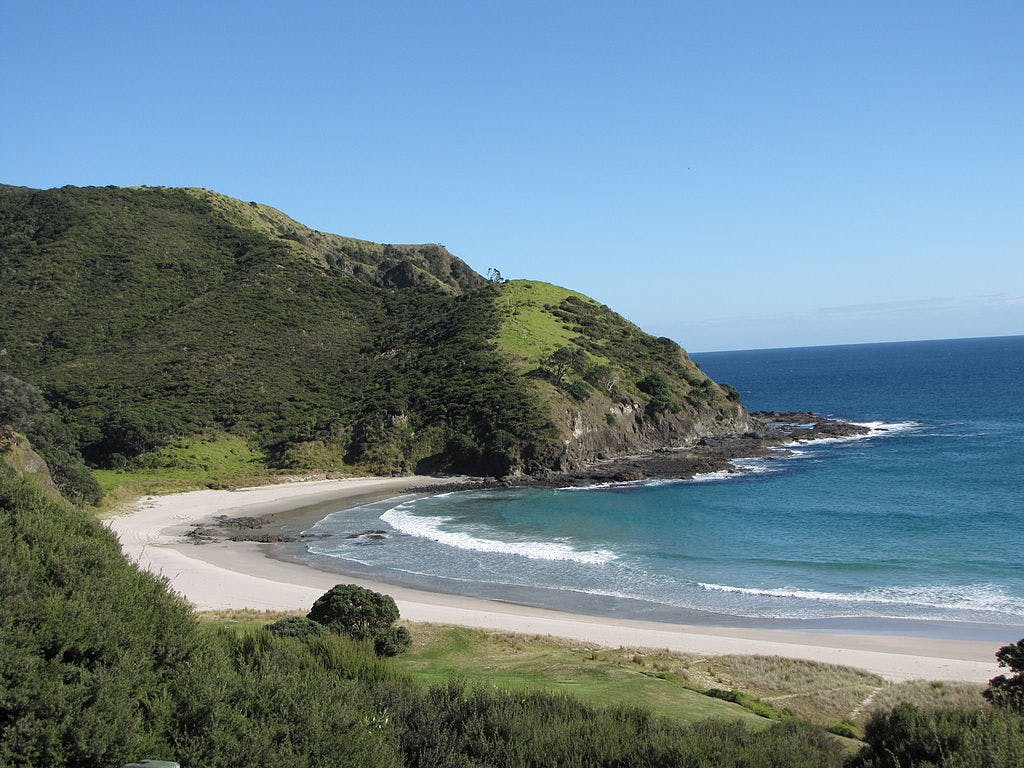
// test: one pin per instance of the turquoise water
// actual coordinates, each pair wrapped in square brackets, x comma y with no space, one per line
[923,520]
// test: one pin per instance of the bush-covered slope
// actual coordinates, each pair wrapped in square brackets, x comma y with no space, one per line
[151,314]
[611,388]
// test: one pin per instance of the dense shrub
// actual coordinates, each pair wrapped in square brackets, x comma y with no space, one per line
[24,409]
[452,725]
[361,614]
[657,387]
[128,433]
[393,642]
[755,705]
[912,737]
[731,392]
[100,665]
[298,627]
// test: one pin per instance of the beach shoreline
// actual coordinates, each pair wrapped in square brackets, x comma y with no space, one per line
[242,575]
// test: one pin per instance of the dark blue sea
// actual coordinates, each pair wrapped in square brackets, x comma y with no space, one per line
[924,519]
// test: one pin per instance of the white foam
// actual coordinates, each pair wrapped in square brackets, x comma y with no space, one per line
[649,483]
[875,429]
[740,468]
[430,527]
[719,474]
[973,597]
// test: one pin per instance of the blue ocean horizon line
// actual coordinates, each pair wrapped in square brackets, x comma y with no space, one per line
[856,344]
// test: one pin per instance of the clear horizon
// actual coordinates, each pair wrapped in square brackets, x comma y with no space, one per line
[853,344]
[734,176]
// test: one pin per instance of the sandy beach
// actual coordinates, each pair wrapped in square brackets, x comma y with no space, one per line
[236,575]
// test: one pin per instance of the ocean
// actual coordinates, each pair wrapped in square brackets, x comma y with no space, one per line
[921,520]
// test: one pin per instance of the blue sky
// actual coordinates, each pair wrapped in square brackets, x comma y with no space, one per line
[733,175]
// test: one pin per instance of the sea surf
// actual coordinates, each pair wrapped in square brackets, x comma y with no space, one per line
[922,518]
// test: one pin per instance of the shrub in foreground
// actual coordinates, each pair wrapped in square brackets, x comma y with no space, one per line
[362,614]
[101,666]
[456,726]
[913,737]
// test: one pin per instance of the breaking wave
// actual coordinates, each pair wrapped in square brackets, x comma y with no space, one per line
[431,527]
[970,597]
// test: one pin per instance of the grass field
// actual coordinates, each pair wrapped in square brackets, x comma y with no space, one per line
[597,676]
[670,684]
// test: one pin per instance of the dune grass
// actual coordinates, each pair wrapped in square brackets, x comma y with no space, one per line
[929,695]
[670,684]
[596,676]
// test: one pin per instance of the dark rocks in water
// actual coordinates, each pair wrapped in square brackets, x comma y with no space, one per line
[800,425]
[375,532]
[376,535]
[263,538]
[249,523]
[202,535]
[787,417]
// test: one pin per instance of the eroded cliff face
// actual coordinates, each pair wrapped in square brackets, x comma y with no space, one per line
[596,431]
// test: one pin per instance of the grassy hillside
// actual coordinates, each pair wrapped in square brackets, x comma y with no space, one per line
[607,353]
[611,388]
[153,317]
[146,315]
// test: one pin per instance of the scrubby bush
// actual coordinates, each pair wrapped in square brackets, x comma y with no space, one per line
[100,665]
[909,737]
[298,627]
[393,642]
[24,409]
[130,432]
[657,388]
[20,403]
[755,705]
[578,390]
[501,454]
[463,452]
[361,614]
[454,725]
[731,393]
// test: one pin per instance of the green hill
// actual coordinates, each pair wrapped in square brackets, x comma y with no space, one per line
[151,318]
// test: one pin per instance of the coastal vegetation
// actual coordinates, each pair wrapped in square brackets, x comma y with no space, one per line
[174,338]
[363,615]
[101,665]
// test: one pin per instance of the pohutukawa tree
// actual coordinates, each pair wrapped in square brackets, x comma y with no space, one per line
[1008,690]
[362,614]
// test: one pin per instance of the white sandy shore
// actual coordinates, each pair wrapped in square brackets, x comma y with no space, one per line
[239,575]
